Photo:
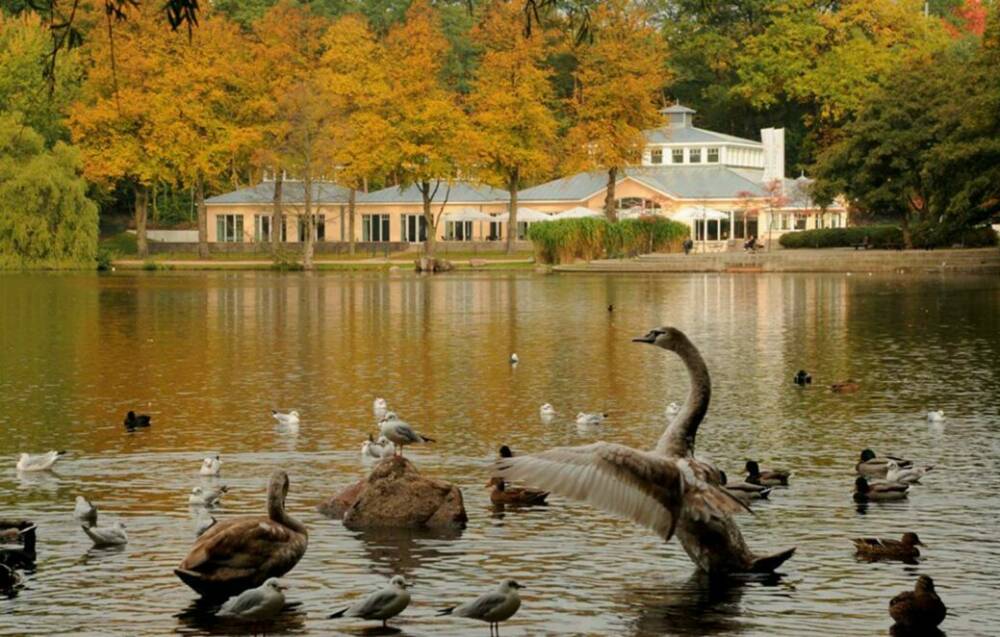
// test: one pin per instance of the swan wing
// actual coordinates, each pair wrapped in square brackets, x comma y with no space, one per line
[241,546]
[643,487]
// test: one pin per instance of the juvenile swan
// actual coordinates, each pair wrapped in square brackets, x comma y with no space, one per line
[240,553]
[666,489]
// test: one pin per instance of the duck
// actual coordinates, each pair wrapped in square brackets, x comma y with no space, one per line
[745,491]
[209,498]
[766,477]
[547,412]
[514,360]
[382,605]
[18,547]
[84,511]
[666,489]
[902,549]
[865,491]
[9,579]
[920,608]
[589,419]
[935,416]
[845,387]
[243,552]
[672,410]
[290,419]
[135,421]
[262,602]
[104,536]
[802,378]
[874,467]
[39,462]
[515,496]
[211,466]
[400,433]
[379,407]
[906,475]
[493,607]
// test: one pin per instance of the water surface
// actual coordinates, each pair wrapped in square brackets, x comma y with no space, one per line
[207,355]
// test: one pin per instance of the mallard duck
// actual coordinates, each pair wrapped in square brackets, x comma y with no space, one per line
[920,608]
[845,387]
[16,555]
[381,605]
[766,477]
[134,421]
[802,378]
[744,491]
[240,553]
[906,475]
[903,549]
[515,496]
[878,491]
[874,467]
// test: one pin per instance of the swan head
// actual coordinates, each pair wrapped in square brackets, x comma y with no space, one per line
[867,455]
[665,337]
[508,584]
[397,581]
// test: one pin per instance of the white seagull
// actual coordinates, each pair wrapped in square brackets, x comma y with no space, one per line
[514,360]
[673,409]
[400,433]
[547,412]
[380,407]
[84,511]
[203,522]
[590,419]
[935,416]
[113,535]
[209,498]
[906,475]
[291,419]
[40,462]
[494,607]
[383,604]
[263,602]
[211,466]
[377,449]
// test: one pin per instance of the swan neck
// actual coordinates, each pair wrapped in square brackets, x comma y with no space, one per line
[276,511]
[678,438]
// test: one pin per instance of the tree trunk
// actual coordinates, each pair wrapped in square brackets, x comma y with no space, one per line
[277,216]
[307,252]
[156,209]
[431,243]
[512,182]
[199,193]
[905,227]
[141,201]
[351,198]
[610,208]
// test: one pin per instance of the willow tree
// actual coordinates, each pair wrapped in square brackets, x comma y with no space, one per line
[619,77]
[510,101]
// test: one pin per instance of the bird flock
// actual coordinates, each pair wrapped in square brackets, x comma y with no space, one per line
[669,490]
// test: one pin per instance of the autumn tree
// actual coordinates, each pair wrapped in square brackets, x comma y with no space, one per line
[619,78]
[430,135]
[510,102]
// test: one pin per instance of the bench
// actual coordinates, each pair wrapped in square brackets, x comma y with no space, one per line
[863,245]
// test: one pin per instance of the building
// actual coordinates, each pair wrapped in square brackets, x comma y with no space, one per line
[726,188]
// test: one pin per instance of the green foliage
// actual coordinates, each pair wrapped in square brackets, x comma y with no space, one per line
[566,240]
[878,237]
[123,243]
[104,258]
[46,219]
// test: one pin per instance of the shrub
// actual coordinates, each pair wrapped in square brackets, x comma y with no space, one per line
[591,238]
[104,258]
[878,237]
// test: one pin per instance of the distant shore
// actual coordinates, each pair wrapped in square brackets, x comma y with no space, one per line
[398,263]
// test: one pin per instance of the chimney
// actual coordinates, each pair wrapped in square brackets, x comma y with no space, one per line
[774,153]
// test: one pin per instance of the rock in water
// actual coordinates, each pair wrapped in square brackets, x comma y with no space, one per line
[395,495]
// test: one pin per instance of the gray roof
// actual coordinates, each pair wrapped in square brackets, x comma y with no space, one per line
[686,182]
[292,192]
[460,192]
[677,108]
[692,135]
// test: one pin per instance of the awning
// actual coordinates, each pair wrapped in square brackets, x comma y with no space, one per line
[578,212]
[466,214]
[529,215]
[691,213]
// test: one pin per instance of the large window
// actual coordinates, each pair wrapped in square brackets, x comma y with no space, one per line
[414,228]
[694,155]
[374,227]
[677,156]
[229,228]
[320,221]
[261,228]
[712,155]
[458,230]
[648,206]
[496,231]
[656,156]
[800,222]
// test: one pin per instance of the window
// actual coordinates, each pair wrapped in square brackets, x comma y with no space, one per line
[374,227]
[712,155]
[647,206]
[458,231]
[261,228]
[694,155]
[496,231]
[677,156]
[656,156]
[320,221]
[229,228]
[414,228]
[522,230]
[800,222]
[784,221]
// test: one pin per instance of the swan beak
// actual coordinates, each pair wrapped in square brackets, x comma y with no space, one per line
[648,338]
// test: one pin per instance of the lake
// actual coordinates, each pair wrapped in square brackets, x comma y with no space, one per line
[209,354]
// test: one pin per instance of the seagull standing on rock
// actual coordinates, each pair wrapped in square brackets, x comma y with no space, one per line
[400,433]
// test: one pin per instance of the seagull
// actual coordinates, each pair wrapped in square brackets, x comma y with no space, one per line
[906,475]
[380,407]
[200,497]
[383,604]
[494,607]
[211,466]
[84,511]
[204,522]
[400,433]
[514,360]
[673,409]
[589,419]
[377,449]
[263,602]
[40,462]
[113,535]
[547,412]
[935,416]
[290,419]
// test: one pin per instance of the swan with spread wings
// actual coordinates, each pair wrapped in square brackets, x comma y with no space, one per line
[667,489]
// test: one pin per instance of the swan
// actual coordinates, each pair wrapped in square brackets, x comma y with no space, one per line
[240,553]
[935,416]
[400,433]
[262,602]
[84,511]
[39,462]
[547,412]
[209,498]
[211,466]
[383,604]
[666,489]
[906,475]
[590,419]
[493,607]
[290,419]
[113,535]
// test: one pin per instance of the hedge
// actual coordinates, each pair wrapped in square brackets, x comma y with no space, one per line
[591,238]
[890,237]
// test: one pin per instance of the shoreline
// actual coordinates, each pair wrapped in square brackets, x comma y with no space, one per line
[475,264]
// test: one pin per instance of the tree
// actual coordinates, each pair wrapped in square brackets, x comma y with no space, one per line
[430,135]
[510,102]
[46,219]
[619,78]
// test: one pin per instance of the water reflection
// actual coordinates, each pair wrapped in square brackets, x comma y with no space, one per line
[402,552]
[200,618]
